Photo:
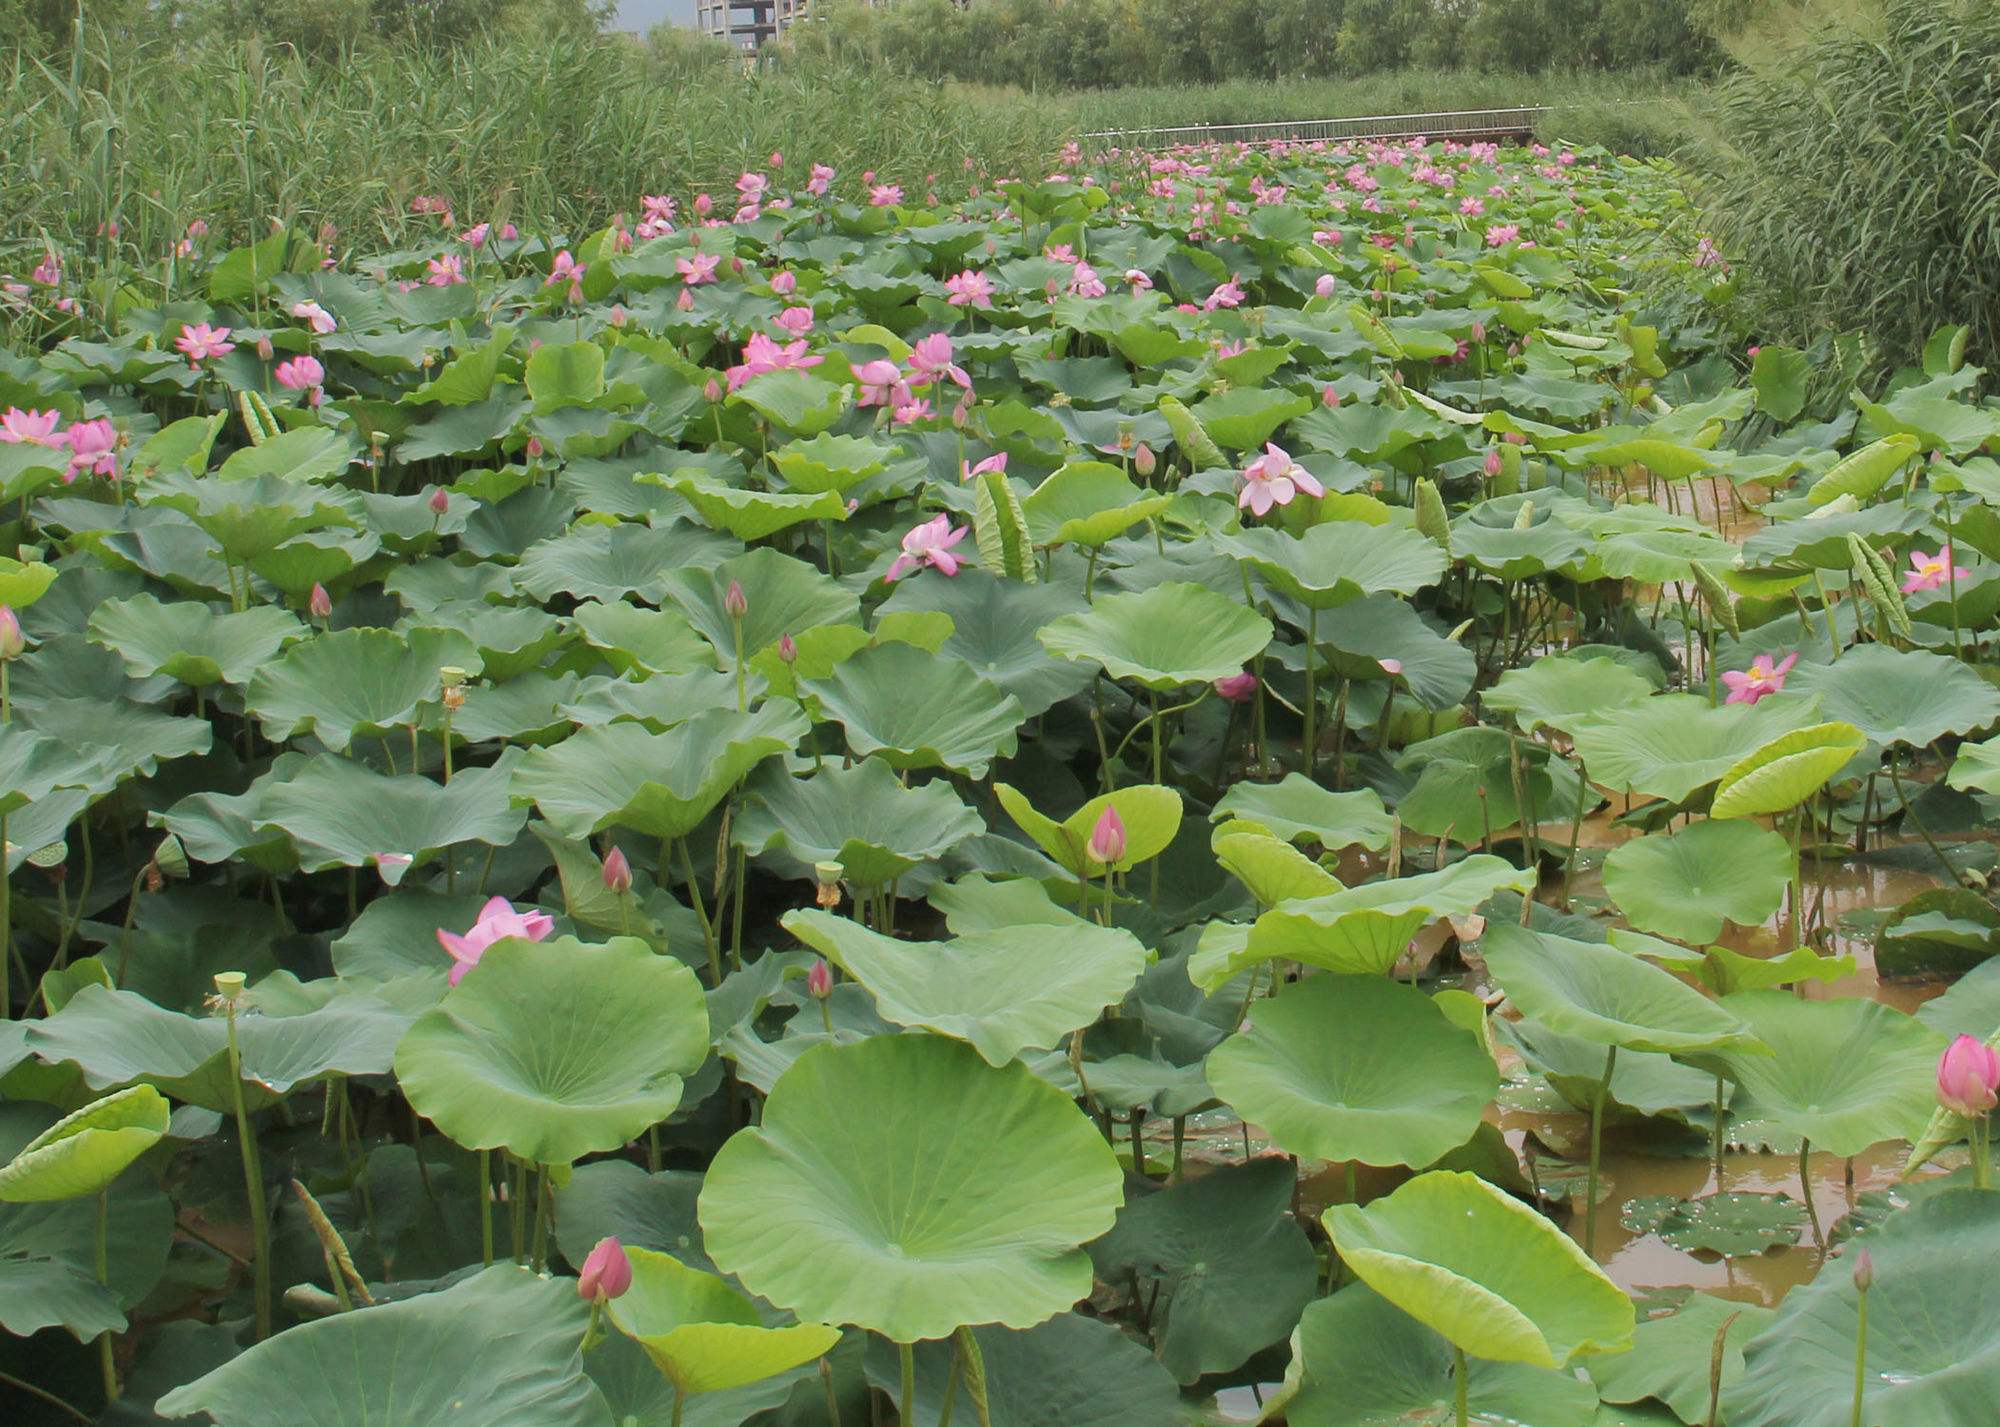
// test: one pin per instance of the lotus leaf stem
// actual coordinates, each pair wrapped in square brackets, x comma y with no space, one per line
[8,1379]
[1805,1192]
[1458,1373]
[1596,1136]
[906,1356]
[1309,745]
[106,1359]
[1860,1357]
[485,1193]
[253,1182]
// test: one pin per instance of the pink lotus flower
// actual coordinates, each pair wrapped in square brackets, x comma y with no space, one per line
[930,359]
[497,921]
[93,449]
[606,1272]
[1501,234]
[995,462]
[819,980]
[315,316]
[319,604]
[969,289]
[911,412]
[12,644]
[761,354]
[1107,838]
[446,271]
[34,428]
[1327,285]
[440,501]
[881,384]
[698,269]
[301,374]
[784,283]
[48,272]
[1968,1077]
[929,544]
[1929,572]
[617,872]
[476,235]
[1227,295]
[1273,479]
[1493,463]
[1138,280]
[566,268]
[1084,281]
[390,867]
[1238,688]
[885,195]
[822,178]
[1764,678]
[199,341]
[796,320]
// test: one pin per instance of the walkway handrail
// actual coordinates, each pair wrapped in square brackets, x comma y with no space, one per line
[1448,124]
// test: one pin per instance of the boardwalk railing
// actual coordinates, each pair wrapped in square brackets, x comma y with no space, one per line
[1462,124]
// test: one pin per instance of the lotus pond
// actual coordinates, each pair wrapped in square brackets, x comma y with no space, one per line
[1255,784]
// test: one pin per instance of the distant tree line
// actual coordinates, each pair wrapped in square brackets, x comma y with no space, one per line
[1078,44]
[321,27]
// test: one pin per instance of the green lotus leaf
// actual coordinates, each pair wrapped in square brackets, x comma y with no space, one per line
[117,1038]
[1274,871]
[1673,744]
[1299,809]
[126,738]
[1786,771]
[1931,1332]
[340,813]
[609,1198]
[1466,784]
[660,784]
[251,517]
[830,463]
[897,1220]
[556,1050]
[703,1334]
[190,641]
[919,711]
[22,583]
[1151,814]
[1339,561]
[48,1249]
[415,1361]
[34,765]
[606,562]
[1361,930]
[658,703]
[1162,638]
[1848,1073]
[1670,1357]
[1498,1280]
[1976,767]
[1360,1361]
[1971,1006]
[1900,695]
[1642,1084]
[1071,1371]
[1437,670]
[1517,554]
[1864,472]
[861,817]
[511,640]
[750,514]
[993,629]
[1724,970]
[1087,503]
[311,453]
[1169,1243]
[1685,884]
[1243,418]
[793,400]
[1729,1224]
[1003,992]
[84,1151]
[353,682]
[564,374]
[783,595]
[652,641]
[1561,691]
[1400,1084]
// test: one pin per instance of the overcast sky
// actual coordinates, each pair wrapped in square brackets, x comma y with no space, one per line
[644,14]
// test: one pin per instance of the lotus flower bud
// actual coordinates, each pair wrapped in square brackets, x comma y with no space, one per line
[819,980]
[1237,688]
[788,649]
[734,603]
[784,283]
[1493,462]
[703,205]
[1479,331]
[12,645]
[1515,438]
[1864,1270]
[711,390]
[1107,838]
[264,349]
[1143,460]
[1328,396]
[685,302]
[606,1273]
[1968,1077]
[617,872]
[319,604]
[533,450]
[440,500]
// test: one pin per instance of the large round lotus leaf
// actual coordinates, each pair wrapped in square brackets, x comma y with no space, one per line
[1497,1279]
[640,1395]
[703,1334]
[861,817]
[1517,554]
[1299,809]
[557,1050]
[1671,1356]
[499,1349]
[615,1198]
[1087,503]
[1600,994]
[1642,1083]
[1971,1007]
[1466,784]
[87,1149]
[1560,691]
[861,1197]
[1004,991]
[1174,1245]
[1786,771]
[1339,561]
[1151,814]
[1685,884]
[21,584]
[783,596]
[190,641]
[793,400]
[1356,1068]
[511,639]
[1360,1361]
[918,710]
[1900,695]
[1071,1371]
[1274,871]
[1169,635]
[660,784]
[830,463]
[993,629]
[1365,929]
[1437,671]
[1848,1073]
[603,562]
[341,813]
[353,682]
[1672,744]
[1933,1328]
[1732,1224]
[249,518]
[750,514]
[119,1037]
[658,641]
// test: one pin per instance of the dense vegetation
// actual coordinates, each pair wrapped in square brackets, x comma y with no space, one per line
[1011,775]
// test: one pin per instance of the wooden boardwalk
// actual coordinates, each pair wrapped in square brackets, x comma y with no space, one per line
[1462,125]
